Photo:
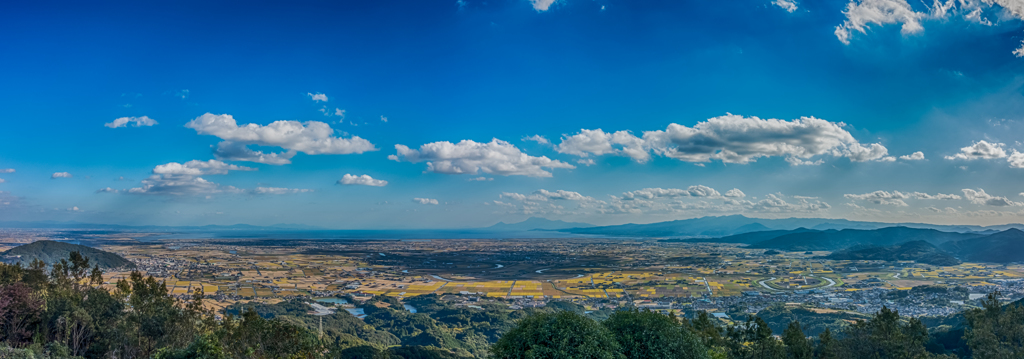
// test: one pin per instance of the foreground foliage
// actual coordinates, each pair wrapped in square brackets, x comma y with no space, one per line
[60,312]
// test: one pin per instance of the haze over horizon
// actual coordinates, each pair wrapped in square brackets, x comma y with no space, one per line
[460,114]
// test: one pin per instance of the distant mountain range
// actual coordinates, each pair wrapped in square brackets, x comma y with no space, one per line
[1003,247]
[721,226]
[51,252]
[537,223]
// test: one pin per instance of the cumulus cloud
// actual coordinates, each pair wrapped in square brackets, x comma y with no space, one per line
[278,190]
[774,203]
[542,5]
[317,97]
[469,157]
[233,151]
[135,121]
[789,6]
[74,209]
[2,180]
[60,175]
[1016,159]
[184,179]
[480,179]
[538,139]
[980,150]
[107,190]
[860,14]
[916,156]
[586,161]
[981,198]
[735,193]
[6,170]
[730,139]
[652,193]
[425,200]
[311,137]
[364,180]
[597,142]
[895,198]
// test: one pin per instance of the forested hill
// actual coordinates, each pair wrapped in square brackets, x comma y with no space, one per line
[1002,247]
[832,240]
[919,251]
[51,252]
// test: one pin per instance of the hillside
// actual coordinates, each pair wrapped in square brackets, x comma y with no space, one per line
[51,252]
[535,223]
[833,240]
[919,251]
[1002,247]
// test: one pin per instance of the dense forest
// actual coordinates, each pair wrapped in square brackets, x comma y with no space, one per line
[60,312]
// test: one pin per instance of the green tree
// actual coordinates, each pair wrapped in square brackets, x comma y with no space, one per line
[562,335]
[827,346]
[645,334]
[994,331]
[797,345]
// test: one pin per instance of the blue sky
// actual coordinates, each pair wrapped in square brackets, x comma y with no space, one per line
[158,113]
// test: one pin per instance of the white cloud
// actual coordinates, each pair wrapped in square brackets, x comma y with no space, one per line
[60,175]
[383,119]
[233,151]
[788,5]
[2,180]
[537,138]
[542,5]
[183,179]
[1016,159]
[317,97]
[469,157]
[278,190]
[563,195]
[311,137]
[6,170]
[861,13]
[183,94]
[774,203]
[980,150]
[364,180]
[586,161]
[793,161]
[597,142]
[981,198]
[480,179]
[425,200]
[107,190]
[916,156]
[895,198]
[730,139]
[735,193]
[135,121]
[74,209]
[653,193]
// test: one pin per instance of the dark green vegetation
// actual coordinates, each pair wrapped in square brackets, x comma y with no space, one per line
[993,331]
[832,240]
[1002,247]
[919,251]
[50,252]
